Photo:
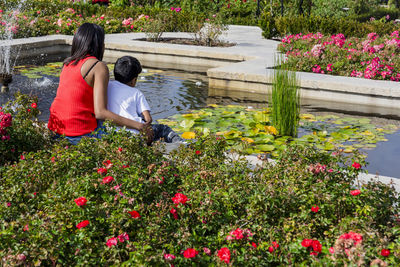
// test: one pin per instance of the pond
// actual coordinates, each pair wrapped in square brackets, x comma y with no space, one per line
[173,92]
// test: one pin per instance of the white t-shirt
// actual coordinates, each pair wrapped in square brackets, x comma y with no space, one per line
[126,101]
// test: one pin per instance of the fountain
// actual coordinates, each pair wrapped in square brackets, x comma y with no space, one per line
[7,63]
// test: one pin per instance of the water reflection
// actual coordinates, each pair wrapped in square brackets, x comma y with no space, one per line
[172,92]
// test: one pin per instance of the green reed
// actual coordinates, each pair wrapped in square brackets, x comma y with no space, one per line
[285,102]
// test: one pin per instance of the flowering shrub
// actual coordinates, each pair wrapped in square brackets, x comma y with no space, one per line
[98,203]
[20,132]
[372,57]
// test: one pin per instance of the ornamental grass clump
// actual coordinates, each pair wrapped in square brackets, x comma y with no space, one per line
[285,100]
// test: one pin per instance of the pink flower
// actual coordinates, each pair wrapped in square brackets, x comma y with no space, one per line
[80,201]
[331,250]
[169,257]
[314,209]
[329,67]
[8,204]
[26,227]
[134,214]
[180,198]
[112,242]
[224,255]
[357,238]
[355,192]
[190,253]
[107,179]
[172,8]
[207,251]
[178,9]
[82,224]
[123,237]
[356,165]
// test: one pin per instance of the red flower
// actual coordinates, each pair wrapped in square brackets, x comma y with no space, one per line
[80,201]
[275,244]
[101,170]
[108,164]
[356,165]
[123,237]
[108,179]
[112,242]
[385,252]
[314,209]
[120,149]
[190,253]
[22,157]
[316,245]
[224,255]
[313,253]
[26,227]
[271,249]
[174,213]
[134,214]
[254,245]
[34,105]
[82,224]
[198,152]
[179,198]
[306,242]
[355,192]
[125,166]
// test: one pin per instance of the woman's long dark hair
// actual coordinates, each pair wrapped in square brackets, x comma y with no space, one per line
[88,41]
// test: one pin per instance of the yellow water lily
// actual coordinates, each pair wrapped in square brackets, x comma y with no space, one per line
[188,135]
[307,116]
[248,140]
[271,130]
[367,133]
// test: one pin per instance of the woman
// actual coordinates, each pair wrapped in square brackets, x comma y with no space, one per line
[81,100]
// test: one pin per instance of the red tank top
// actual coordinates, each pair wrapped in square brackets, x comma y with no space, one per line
[72,111]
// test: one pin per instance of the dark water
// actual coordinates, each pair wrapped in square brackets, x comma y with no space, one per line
[172,92]
[168,93]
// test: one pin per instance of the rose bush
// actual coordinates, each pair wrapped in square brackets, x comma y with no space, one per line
[210,208]
[372,57]
[20,131]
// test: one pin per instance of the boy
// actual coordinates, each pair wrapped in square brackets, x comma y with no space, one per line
[127,101]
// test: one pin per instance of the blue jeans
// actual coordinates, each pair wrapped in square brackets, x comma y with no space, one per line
[97,133]
[165,132]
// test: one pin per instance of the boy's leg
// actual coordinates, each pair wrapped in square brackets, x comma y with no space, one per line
[165,132]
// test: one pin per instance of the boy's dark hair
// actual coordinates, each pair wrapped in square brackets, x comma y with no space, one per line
[88,41]
[126,69]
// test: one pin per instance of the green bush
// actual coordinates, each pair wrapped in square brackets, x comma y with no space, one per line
[21,132]
[197,198]
[280,26]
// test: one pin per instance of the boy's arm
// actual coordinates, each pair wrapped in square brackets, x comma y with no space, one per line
[147,117]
